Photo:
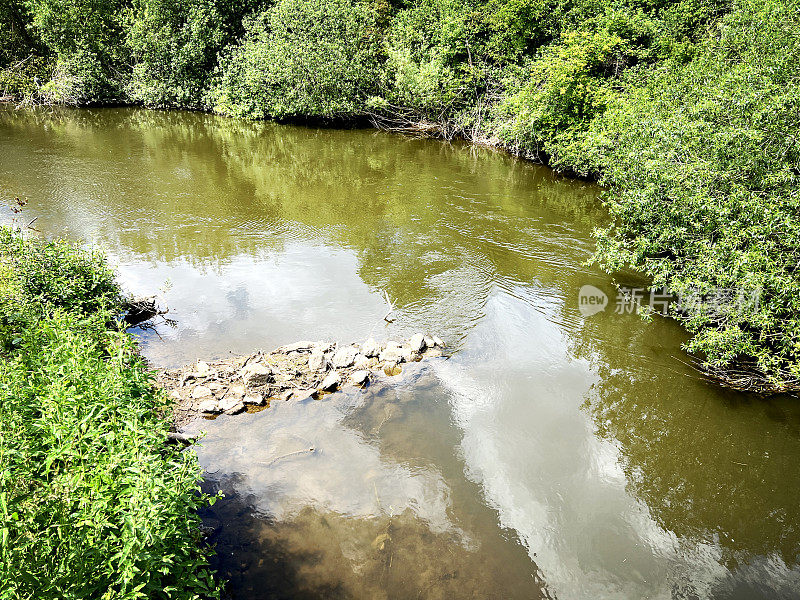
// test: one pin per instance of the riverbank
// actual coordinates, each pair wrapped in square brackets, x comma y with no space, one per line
[94,503]
[702,193]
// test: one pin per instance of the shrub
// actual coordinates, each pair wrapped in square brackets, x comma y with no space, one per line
[37,278]
[175,47]
[302,58]
[93,505]
[92,502]
[704,166]
[84,40]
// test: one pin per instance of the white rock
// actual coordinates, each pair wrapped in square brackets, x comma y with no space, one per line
[429,343]
[344,357]
[214,386]
[255,373]
[321,347]
[331,382]
[417,342]
[397,354]
[256,399]
[391,355]
[361,361]
[303,346]
[438,342]
[317,361]
[231,406]
[201,369]
[237,390]
[208,406]
[200,391]
[359,377]
[370,348]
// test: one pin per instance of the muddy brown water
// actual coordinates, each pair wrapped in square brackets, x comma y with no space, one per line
[552,455]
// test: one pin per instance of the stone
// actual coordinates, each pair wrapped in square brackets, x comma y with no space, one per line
[214,386]
[200,391]
[344,357]
[208,406]
[257,399]
[396,353]
[255,374]
[390,355]
[304,346]
[237,391]
[417,342]
[232,406]
[438,342]
[175,394]
[359,377]
[331,382]
[225,404]
[321,347]
[300,395]
[361,361]
[391,368]
[433,353]
[317,361]
[201,369]
[370,348]
[429,343]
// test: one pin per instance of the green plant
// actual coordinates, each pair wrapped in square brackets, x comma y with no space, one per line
[93,504]
[302,58]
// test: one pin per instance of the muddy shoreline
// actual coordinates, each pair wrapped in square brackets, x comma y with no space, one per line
[292,372]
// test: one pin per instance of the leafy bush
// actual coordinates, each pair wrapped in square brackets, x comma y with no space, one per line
[84,39]
[175,46]
[429,66]
[704,168]
[302,58]
[37,278]
[92,502]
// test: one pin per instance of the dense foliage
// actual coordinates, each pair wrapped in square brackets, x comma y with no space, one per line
[92,502]
[686,109]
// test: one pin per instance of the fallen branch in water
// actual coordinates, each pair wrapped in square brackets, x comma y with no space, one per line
[391,307]
[274,460]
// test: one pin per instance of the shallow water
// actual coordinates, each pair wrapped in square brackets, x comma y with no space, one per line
[551,455]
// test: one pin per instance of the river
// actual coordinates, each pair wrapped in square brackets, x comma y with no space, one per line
[551,455]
